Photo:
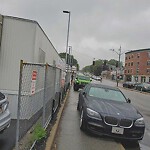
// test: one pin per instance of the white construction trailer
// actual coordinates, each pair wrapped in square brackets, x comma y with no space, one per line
[22,39]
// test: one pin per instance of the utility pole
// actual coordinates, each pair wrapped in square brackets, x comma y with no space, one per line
[93,65]
[67,12]
[119,57]
[119,66]
[136,72]
[70,61]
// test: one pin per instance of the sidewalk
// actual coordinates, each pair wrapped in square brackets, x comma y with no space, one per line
[51,138]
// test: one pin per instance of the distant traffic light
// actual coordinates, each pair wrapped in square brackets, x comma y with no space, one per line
[116,63]
[93,63]
[105,62]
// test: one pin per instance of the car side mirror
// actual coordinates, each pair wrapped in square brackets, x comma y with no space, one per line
[128,100]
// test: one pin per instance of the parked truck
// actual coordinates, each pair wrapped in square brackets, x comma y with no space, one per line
[22,39]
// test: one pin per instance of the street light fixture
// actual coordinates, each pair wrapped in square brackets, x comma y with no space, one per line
[67,12]
[118,53]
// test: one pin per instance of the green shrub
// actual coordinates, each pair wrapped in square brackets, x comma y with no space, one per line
[38,133]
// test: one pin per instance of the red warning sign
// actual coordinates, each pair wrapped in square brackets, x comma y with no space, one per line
[33,81]
[34,74]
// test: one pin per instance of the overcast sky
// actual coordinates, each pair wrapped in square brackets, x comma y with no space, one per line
[96,25]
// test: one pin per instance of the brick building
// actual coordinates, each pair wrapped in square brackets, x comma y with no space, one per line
[137,65]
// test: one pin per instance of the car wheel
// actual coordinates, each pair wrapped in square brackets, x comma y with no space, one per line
[75,88]
[82,122]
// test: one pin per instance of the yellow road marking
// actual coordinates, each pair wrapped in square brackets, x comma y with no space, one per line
[51,137]
[121,147]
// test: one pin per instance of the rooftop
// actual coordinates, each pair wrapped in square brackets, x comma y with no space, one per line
[138,50]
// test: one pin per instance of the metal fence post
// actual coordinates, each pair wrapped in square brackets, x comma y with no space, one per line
[44,97]
[19,100]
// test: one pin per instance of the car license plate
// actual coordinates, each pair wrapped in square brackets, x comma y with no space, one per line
[117,130]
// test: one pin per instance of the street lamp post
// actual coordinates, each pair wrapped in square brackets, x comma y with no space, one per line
[67,12]
[119,54]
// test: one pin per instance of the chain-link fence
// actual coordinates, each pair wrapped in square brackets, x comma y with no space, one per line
[40,94]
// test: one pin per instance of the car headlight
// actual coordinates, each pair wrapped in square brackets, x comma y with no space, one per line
[139,122]
[93,114]
[5,106]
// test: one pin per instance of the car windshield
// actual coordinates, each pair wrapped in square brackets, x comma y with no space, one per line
[146,84]
[83,77]
[106,94]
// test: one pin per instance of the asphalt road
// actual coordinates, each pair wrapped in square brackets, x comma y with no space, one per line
[142,102]
[70,136]
[7,138]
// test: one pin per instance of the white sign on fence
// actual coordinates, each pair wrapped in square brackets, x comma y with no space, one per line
[33,81]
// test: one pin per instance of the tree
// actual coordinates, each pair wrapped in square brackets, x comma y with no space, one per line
[100,65]
[73,61]
[112,62]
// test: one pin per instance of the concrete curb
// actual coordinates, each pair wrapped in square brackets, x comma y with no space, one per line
[121,147]
[53,132]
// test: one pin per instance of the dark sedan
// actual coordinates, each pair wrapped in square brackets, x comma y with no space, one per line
[129,84]
[143,87]
[105,110]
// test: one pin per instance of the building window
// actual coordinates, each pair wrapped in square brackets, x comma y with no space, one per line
[137,64]
[131,63]
[138,55]
[143,78]
[148,54]
[129,57]
[137,71]
[136,78]
[125,64]
[128,64]
[148,63]
[132,55]
[125,71]
[149,79]
[128,71]
[148,70]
